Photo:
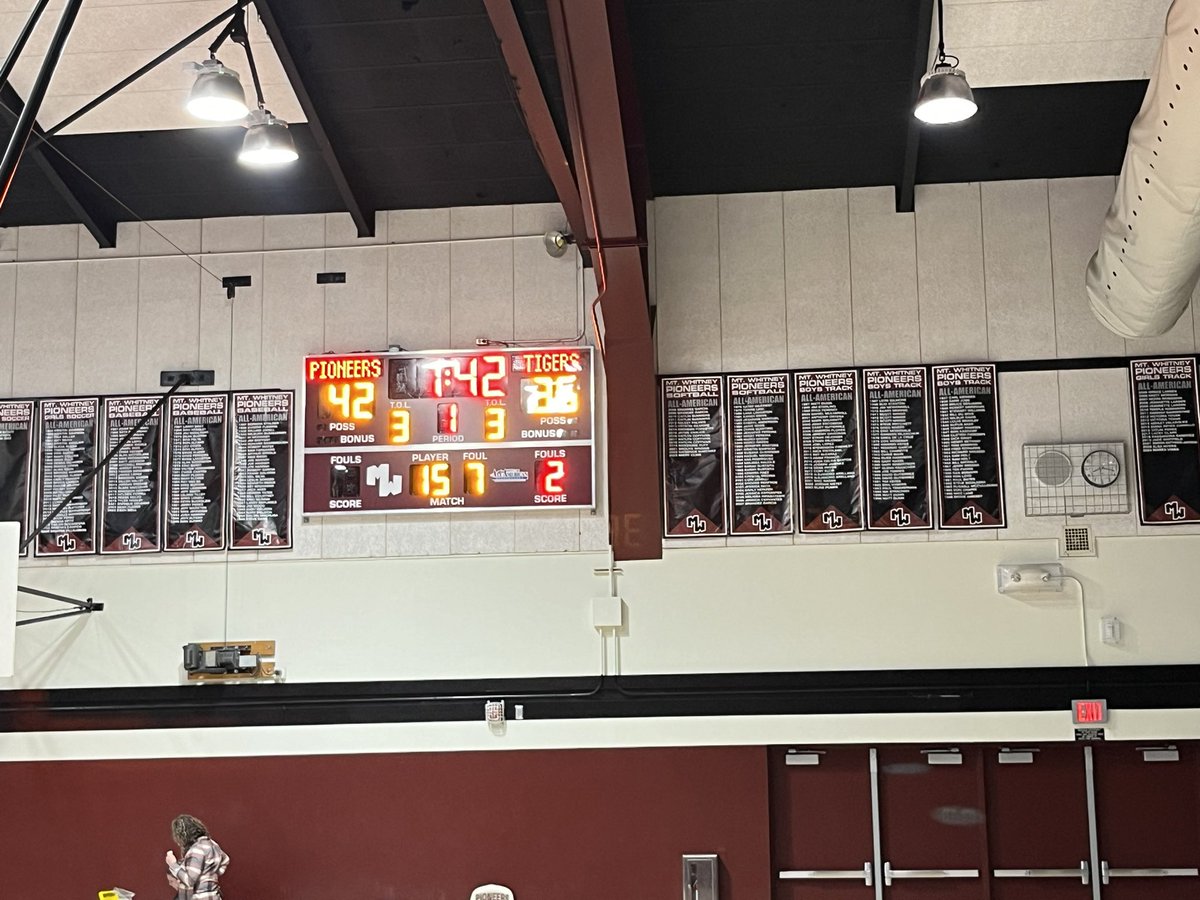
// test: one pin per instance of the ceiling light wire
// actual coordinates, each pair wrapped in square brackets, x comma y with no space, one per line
[49,144]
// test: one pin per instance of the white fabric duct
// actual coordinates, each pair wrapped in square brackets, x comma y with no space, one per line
[1140,280]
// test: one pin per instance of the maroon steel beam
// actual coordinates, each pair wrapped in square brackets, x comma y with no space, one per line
[531,100]
[583,44]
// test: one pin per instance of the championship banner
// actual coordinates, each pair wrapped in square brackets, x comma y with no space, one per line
[830,466]
[760,459]
[1165,437]
[967,425]
[66,452]
[16,462]
[261,505]
[693,418]
[130,492]
[195,472]
[897,442]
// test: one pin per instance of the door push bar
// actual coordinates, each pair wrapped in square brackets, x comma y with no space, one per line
[1107,872]
[865,873]
[889,873]
[1081,872]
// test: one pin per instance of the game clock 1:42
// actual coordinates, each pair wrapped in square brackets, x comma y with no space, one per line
[468,429]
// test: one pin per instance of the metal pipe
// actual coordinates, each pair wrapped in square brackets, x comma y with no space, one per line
[19,43]
[25,123]
[239,35]
[135,75]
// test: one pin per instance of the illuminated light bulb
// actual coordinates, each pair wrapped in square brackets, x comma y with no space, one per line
[945,97]
[216,95]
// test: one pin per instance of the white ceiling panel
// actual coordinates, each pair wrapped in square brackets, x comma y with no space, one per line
[111,38]
[1020,42]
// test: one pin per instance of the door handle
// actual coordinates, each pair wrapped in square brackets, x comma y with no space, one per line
[865,873]
[1107,872]
[1081,872]
[889,873]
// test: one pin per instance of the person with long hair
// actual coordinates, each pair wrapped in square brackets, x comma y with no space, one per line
[196,874]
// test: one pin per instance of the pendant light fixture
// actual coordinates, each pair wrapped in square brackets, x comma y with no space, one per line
[217,95]
[267,142]
[945,96]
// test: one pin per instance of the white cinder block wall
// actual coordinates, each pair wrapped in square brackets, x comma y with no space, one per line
[741,282]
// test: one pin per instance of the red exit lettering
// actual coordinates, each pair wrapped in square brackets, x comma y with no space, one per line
[564,361]
[1090,712]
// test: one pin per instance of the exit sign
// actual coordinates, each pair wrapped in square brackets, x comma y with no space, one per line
[1089,712]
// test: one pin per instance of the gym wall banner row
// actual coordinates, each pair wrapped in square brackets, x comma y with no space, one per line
[206,472]
[903,448]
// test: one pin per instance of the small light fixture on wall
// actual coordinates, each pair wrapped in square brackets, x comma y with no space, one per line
[945,96]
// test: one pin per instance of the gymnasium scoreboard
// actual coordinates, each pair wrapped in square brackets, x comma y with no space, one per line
[507,428]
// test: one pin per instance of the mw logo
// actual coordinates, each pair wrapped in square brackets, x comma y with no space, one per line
[381,475]
[833,520]
[1174,510]
[900,517]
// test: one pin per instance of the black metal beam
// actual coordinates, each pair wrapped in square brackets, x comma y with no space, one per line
[906,186]
[27,119]
[84,200]
[19,44]
[360,211]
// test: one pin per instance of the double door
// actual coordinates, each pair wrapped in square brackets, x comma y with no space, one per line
[1056,821]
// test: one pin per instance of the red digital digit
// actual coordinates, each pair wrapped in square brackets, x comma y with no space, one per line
[471,376]
[551,474]
[447,418]
[493,382]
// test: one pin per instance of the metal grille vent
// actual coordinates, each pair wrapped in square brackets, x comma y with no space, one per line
[1077,541]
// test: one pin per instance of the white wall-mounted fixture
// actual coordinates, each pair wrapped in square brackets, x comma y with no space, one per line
[796,757]
[1110,631]
[608,612]
[1030,578]
[943,756]
[945,96]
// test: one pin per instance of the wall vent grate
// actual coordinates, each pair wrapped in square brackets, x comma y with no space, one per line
[1077,541]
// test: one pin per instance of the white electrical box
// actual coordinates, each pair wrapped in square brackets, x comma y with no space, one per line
[608,612]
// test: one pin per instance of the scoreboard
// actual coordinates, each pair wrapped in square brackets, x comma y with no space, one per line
[497,429]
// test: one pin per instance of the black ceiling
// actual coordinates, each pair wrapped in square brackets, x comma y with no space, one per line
[736,95]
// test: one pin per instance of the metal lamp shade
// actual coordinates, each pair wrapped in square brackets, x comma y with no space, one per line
[217,95]
[268,143]
[944,97]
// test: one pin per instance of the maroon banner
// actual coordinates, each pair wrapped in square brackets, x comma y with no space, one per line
[130,491]
[693,422]
[195,496]
[260,507]
[67,435]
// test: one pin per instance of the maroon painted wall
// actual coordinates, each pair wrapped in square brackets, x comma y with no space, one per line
[548,824]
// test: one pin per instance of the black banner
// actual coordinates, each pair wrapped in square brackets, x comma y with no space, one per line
[195,472]
[16,461]
[261,503]
[897,448]
[67,452]
[966,421]
[827,433]
[760,458]
[694,433]
[130,490]
[1165,435]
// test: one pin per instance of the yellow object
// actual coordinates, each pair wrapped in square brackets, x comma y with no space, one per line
[108,895]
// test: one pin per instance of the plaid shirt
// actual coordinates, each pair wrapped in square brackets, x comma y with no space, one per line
[199,870]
